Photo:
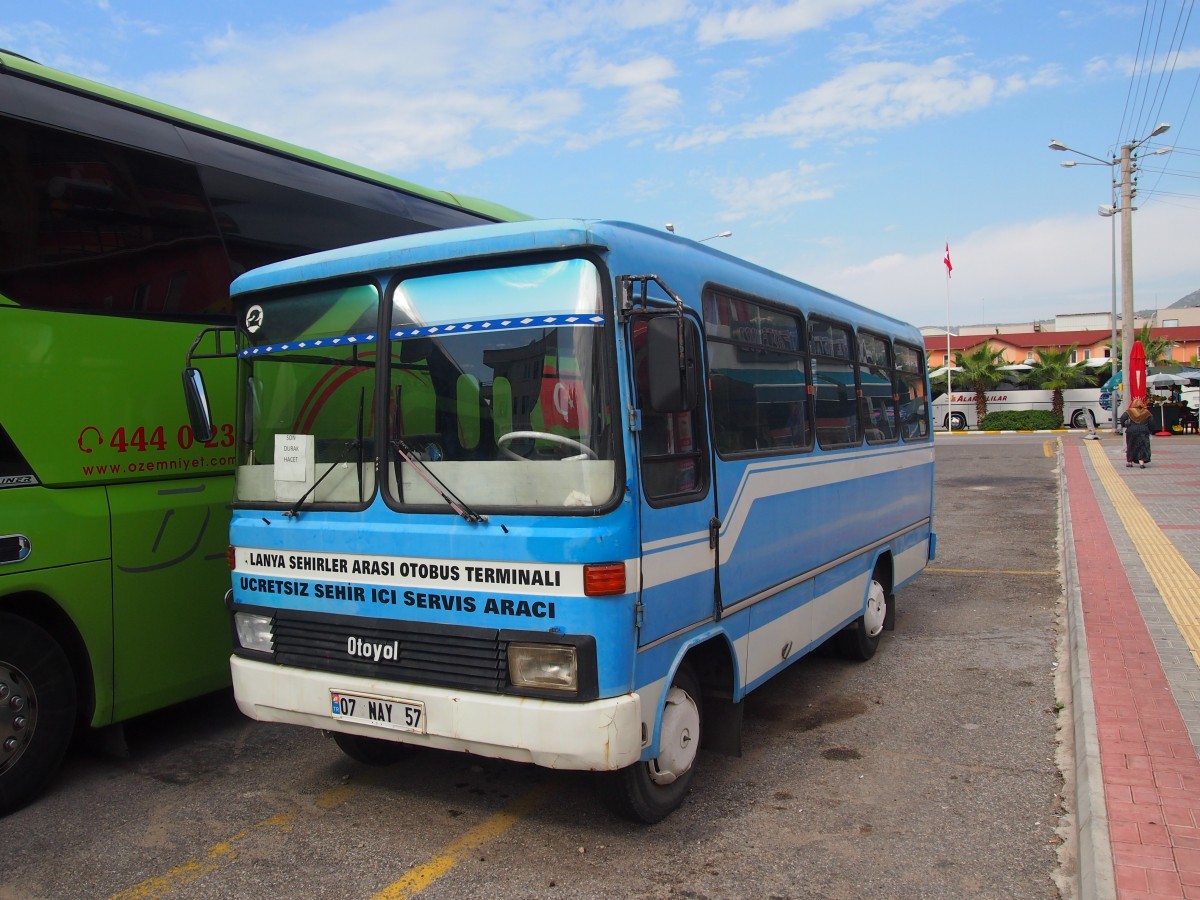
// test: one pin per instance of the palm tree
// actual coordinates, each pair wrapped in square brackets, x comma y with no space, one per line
[1157,349]
[1053,372]
[981,370]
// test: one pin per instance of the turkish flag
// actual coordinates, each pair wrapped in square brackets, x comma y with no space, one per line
[949,268]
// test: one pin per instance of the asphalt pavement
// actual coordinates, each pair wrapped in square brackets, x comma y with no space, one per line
[855,780]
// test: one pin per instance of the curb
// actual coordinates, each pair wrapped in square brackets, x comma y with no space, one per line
[1096,877]
[938,433]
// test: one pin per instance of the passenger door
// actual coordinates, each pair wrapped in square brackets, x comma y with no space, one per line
[170,627]
[676,503]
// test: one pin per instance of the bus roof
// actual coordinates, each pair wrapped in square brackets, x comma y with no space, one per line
[530,236]
[423,248]
[19,66]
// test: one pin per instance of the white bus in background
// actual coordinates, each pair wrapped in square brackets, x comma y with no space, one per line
[959,408]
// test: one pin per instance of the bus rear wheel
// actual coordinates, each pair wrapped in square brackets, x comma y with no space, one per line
[651,790]
[860,639]
[1079,419]
[958,422]
[37,710]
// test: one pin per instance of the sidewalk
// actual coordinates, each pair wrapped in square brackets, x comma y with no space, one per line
[1131,542]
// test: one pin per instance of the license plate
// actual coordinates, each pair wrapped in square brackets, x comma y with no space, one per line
[383,712]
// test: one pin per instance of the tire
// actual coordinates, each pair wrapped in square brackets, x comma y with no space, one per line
[958,422]
[860,639]
[37,710]
[1079,419]
[648,792]
[370,751]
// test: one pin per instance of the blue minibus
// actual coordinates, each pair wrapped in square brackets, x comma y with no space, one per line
[560,492]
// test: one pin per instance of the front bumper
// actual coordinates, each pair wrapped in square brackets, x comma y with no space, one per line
[601,735]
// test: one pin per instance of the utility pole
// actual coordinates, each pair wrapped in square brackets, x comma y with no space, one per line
[1127,166]
[1126,267]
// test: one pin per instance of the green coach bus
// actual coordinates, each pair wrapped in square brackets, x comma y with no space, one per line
[122,223]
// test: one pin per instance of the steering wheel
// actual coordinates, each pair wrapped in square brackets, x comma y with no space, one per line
[505,439]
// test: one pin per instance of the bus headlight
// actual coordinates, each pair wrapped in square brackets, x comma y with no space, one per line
[551,667]
[254,631]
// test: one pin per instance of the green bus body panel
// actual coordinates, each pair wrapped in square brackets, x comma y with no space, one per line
[171,629]
[68,566]
[77,407]
[166,508]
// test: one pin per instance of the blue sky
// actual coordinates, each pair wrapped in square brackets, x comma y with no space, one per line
[843,142]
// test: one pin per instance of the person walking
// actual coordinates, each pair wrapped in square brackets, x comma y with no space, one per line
[1136,422]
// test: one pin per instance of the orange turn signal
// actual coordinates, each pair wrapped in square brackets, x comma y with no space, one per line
[604,579]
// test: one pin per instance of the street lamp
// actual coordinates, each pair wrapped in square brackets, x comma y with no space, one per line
[1127,163]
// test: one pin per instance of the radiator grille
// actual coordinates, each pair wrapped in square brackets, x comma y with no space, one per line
[471,658]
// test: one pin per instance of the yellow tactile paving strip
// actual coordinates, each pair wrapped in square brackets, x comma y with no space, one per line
[1176,581]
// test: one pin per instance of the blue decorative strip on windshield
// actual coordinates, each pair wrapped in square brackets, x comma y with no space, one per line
[506,324]
[568,320]
[308,344]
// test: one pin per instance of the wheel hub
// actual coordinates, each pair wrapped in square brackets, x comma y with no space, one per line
[18,715]
[680,733]
[876,610]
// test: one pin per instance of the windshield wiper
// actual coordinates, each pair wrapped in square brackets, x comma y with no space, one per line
[452,500]
[294,512]
[357,443]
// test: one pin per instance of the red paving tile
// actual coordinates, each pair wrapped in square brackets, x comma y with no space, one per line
[1150,769]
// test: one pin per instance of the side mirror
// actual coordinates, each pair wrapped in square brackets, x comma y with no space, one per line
[196,398]
[673,368]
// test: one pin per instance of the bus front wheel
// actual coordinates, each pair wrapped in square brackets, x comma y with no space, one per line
[1079,419]
[370,751]
[860,639]
[958,422]
[649,791]
[37,710]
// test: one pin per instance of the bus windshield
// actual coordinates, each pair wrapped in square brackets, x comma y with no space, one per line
[497,393]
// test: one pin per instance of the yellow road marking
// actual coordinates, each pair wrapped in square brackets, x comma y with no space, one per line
[1050,447]
[221,853]
[198,866]
[991,571]
[420,877]
[1176,581]
[336,796]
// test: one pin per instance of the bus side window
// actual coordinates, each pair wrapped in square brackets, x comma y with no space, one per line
[671,444]
[910,383]
[761,402]
[835,381]
[877,412]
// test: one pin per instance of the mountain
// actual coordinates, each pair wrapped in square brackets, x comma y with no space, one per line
[1191,300]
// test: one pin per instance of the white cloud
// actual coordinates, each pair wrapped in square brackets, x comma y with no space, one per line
[878,95]
[867,97]
[637,14]
[765,196]
[766,21]
[1021,271]
[1044,77]
[481,80]
[909,14]
[646,100]
[1186,59]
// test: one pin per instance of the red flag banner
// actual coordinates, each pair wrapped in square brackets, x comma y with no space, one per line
[949,268]
[1137,372]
